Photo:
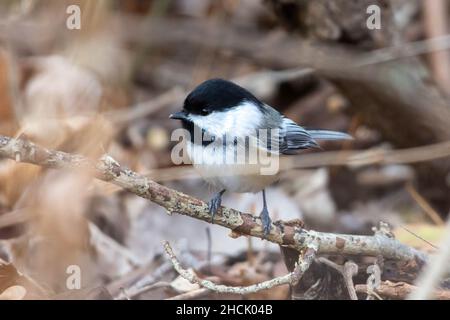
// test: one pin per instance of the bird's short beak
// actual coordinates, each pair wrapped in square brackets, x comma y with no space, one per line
[181,115]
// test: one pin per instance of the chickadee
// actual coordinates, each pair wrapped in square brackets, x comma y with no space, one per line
[230,119]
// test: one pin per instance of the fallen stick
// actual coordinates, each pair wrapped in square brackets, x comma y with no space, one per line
[400,290]
[291,278]
[287,234]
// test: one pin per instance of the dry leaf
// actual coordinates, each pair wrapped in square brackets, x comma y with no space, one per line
[13,293]
[11,278]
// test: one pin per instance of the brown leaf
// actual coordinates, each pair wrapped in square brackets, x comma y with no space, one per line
[13,293]
[11,282]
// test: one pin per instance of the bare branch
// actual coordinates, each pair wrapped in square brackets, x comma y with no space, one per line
[291,278]
[304,262]
[373,281]
[399,290]
[282,233]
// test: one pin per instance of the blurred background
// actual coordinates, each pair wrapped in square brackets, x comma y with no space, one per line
[109,83]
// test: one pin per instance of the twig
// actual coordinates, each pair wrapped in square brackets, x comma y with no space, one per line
[435,24]
[291,278]
[165,32]
[144,109]
[292,236]
[438,266]
[405,50]
[419,237]
[261,83]
[13,217]
[132,282]
[348,271]
[138,292]
[373,281]
[333,158]
[400,290]
[423,203]
[194,294]
[209,248]
[304,262]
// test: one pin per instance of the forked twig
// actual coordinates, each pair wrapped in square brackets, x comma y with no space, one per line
[291,278]
[348,271]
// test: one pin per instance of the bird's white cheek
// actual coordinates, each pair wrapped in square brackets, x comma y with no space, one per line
[240,121]
[216,124]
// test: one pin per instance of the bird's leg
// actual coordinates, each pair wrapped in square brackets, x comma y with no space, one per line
[215,203]
[264,216]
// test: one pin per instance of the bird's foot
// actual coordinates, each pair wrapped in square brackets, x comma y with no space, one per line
[266,221]
[214,204]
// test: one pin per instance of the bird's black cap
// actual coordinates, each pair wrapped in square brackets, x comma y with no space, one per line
[217,95]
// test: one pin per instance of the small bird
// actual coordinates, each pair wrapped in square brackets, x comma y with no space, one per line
[229,120]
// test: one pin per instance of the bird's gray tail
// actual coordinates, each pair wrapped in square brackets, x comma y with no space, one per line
[329,135]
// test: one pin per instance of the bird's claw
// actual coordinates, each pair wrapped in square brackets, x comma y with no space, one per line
[214,205]
[266,221]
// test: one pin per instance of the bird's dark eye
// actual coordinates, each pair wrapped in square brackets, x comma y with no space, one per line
[204,112]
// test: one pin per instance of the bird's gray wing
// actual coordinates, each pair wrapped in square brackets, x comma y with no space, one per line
[293,137]
[288,137]
[283,136]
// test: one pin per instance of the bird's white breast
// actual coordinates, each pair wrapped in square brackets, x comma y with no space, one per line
[236,176]
[233,175]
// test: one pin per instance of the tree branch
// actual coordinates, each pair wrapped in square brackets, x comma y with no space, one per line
[286,234]
[291,278]
[400,290]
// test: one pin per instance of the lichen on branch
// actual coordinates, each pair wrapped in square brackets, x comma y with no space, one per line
[284,233]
